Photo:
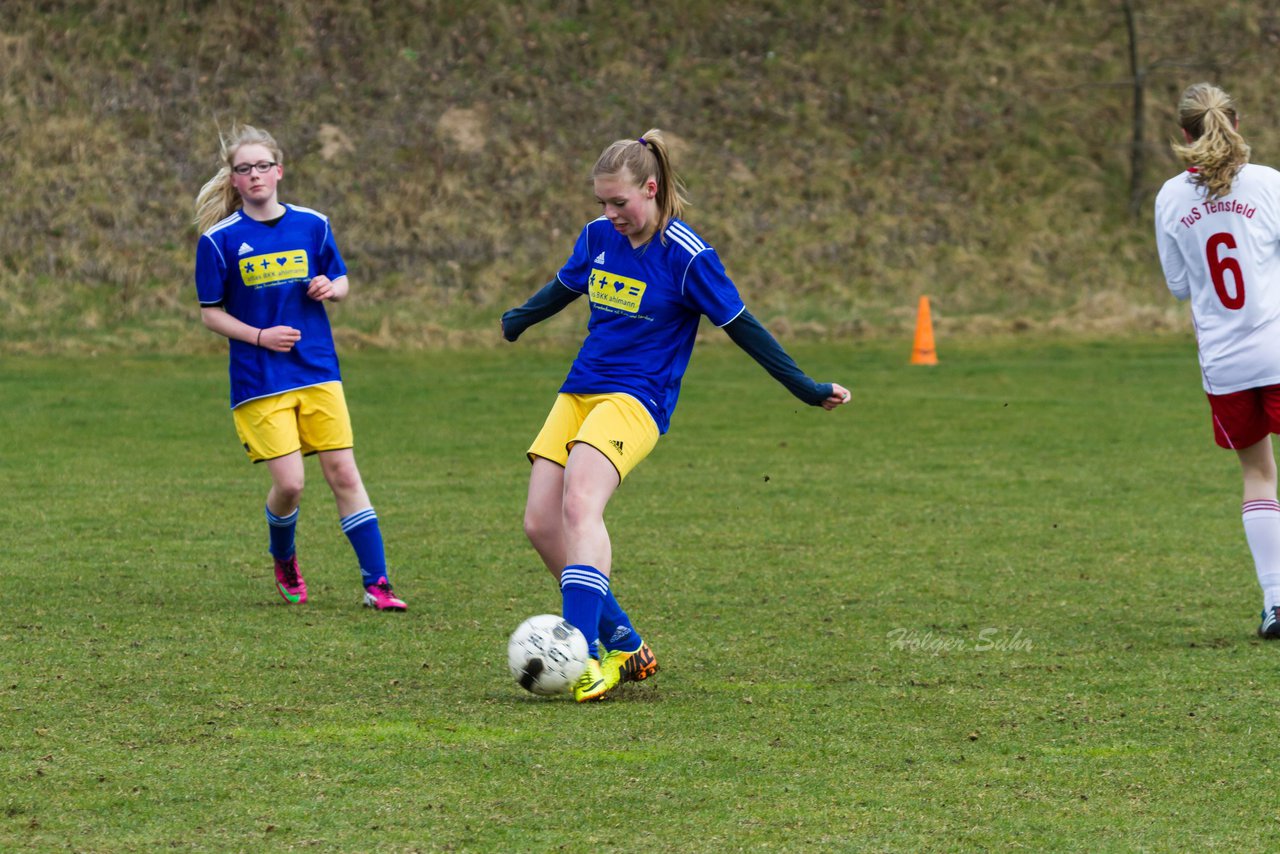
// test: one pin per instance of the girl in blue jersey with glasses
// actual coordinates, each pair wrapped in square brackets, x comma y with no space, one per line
[263,274]
[649,278]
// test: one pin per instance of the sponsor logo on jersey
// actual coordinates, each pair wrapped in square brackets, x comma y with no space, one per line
[277,268]
[599,259]
[245,249]
[616,292]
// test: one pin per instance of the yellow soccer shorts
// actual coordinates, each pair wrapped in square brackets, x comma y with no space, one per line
[308,419]
[616,425]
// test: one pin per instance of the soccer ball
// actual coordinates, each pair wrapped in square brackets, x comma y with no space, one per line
[546,654]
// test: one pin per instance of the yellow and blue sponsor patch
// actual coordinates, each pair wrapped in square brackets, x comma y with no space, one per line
[616,292]
[275,268]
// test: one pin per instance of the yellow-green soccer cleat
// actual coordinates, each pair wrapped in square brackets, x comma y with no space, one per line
[635,666]
[591,684]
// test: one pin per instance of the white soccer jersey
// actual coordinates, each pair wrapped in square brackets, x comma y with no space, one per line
[1225,256]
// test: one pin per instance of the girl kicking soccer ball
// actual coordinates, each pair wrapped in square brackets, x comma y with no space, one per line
[649,278]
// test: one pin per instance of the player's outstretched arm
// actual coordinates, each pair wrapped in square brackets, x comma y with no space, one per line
[748,333]
[545,303]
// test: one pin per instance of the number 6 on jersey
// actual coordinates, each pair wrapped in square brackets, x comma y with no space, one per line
[1219,264]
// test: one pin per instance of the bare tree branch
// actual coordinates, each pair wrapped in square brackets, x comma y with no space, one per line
[1137,154]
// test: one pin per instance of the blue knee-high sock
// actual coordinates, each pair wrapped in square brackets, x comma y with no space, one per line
[582,590]
[362,530]
[616,631]
[283,530]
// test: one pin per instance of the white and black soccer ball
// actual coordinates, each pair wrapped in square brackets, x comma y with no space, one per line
[546,654]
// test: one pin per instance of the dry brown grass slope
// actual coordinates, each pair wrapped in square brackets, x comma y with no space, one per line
[844,157]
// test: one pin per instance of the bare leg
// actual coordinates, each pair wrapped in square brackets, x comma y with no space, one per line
[589,482]
[544,514]
[287,479]
[1258,465]
[340,471]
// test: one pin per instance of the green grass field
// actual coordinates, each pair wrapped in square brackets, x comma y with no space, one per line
[1004,603]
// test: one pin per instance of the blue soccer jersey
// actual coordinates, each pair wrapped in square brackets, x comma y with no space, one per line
[259,274]
[645,307]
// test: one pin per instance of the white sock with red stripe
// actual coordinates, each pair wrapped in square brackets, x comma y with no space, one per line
[1262,530]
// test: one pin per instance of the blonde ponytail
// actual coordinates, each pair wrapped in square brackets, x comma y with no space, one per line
[1217,151]
[216,200]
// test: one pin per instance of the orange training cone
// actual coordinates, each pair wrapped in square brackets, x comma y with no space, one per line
[923,352]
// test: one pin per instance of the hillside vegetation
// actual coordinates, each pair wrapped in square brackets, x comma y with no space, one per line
[843,157]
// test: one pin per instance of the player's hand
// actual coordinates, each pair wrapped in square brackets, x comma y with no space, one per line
[279,338]
[509,336]
[839,396]
[321,288]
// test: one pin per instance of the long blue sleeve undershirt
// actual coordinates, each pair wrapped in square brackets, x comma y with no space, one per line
[545,303]
[748,333]
[744,330]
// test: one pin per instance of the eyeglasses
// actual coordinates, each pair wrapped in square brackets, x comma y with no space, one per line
[261,167]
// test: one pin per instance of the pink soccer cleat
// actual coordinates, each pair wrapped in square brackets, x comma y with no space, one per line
[381,597]
[289,581]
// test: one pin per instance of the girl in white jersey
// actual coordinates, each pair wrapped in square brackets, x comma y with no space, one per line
[1218,233]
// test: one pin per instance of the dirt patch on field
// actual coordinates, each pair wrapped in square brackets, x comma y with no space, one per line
[464,127]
